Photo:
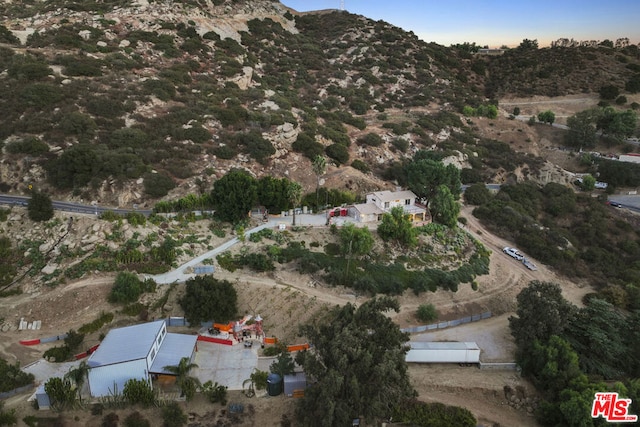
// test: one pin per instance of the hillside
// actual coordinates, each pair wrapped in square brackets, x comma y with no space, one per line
[125,103]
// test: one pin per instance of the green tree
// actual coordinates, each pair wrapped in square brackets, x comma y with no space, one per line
[582,130]
[425,175]
[78,375]
[552,367]
[135,419]
[7,418]
[542,312]
[283,365]
[609,92]
[477,194]
[355,240]
[234,195]
[338,152]
[40,207]
[207,298]
[617,124]
[75,167]
[188,384]
[358,365]
[444,208]
[158,184]
[397,226]
[547,117]
[294,194]
[126,289]
[272,193]
[588,183]
[528,44]
[596,333]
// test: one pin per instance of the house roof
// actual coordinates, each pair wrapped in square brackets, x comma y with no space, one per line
[125,344]
[390,196]
[173,348]
[368,209]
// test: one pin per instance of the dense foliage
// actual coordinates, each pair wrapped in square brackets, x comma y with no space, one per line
[566,351]
[350,347]
[12,376]
[207,298]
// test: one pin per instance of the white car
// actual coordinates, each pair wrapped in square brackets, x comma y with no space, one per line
[513,253]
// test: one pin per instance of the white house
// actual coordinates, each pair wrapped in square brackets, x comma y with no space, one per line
[137,351]
[381,202]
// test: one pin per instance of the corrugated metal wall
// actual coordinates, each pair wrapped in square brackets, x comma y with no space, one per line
[102,379]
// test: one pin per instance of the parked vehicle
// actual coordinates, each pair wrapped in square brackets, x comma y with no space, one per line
[513,253]
[614,204]
[531,266]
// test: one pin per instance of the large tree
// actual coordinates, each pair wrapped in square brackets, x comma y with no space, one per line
[40,207]
[272,193]
[78,375]
[542,312]
[397,226]
[357,364]
[424,176]
[597,333]
[444,208]
[207,298]
[233,195]
[582,130]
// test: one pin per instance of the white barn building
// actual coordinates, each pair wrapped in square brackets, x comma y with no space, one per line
[137,351]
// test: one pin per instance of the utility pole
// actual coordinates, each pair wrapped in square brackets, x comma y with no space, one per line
[341,4]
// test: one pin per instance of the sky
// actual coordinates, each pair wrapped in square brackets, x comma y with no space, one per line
[497,22]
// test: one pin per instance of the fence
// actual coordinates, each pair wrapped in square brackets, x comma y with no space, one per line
[499,366]
[447,324]
[15,391]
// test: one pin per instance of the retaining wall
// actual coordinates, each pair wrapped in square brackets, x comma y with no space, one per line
[447,324]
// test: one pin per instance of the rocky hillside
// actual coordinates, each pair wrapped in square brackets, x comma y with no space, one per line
[126,102]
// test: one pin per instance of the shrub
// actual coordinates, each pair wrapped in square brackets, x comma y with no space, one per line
[426,313]
[157,184]
[173,416]
[361,166]
[307,145]
[136,419]
[31,146]
[338,152]
[371,139]
[40,95]
[138,391]
[127,288]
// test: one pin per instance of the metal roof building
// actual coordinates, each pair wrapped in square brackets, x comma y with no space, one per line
[135,352]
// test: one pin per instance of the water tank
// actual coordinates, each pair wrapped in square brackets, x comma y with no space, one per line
[274,384]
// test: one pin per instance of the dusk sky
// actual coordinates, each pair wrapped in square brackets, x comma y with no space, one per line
[497,22]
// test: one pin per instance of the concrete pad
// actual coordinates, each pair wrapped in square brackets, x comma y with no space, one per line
[227,365]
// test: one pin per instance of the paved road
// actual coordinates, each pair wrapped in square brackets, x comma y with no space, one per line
[10,200]
[178,275]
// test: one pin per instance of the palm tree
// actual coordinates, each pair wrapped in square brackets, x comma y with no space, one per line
[188,384]
[78,375]
[294,194]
